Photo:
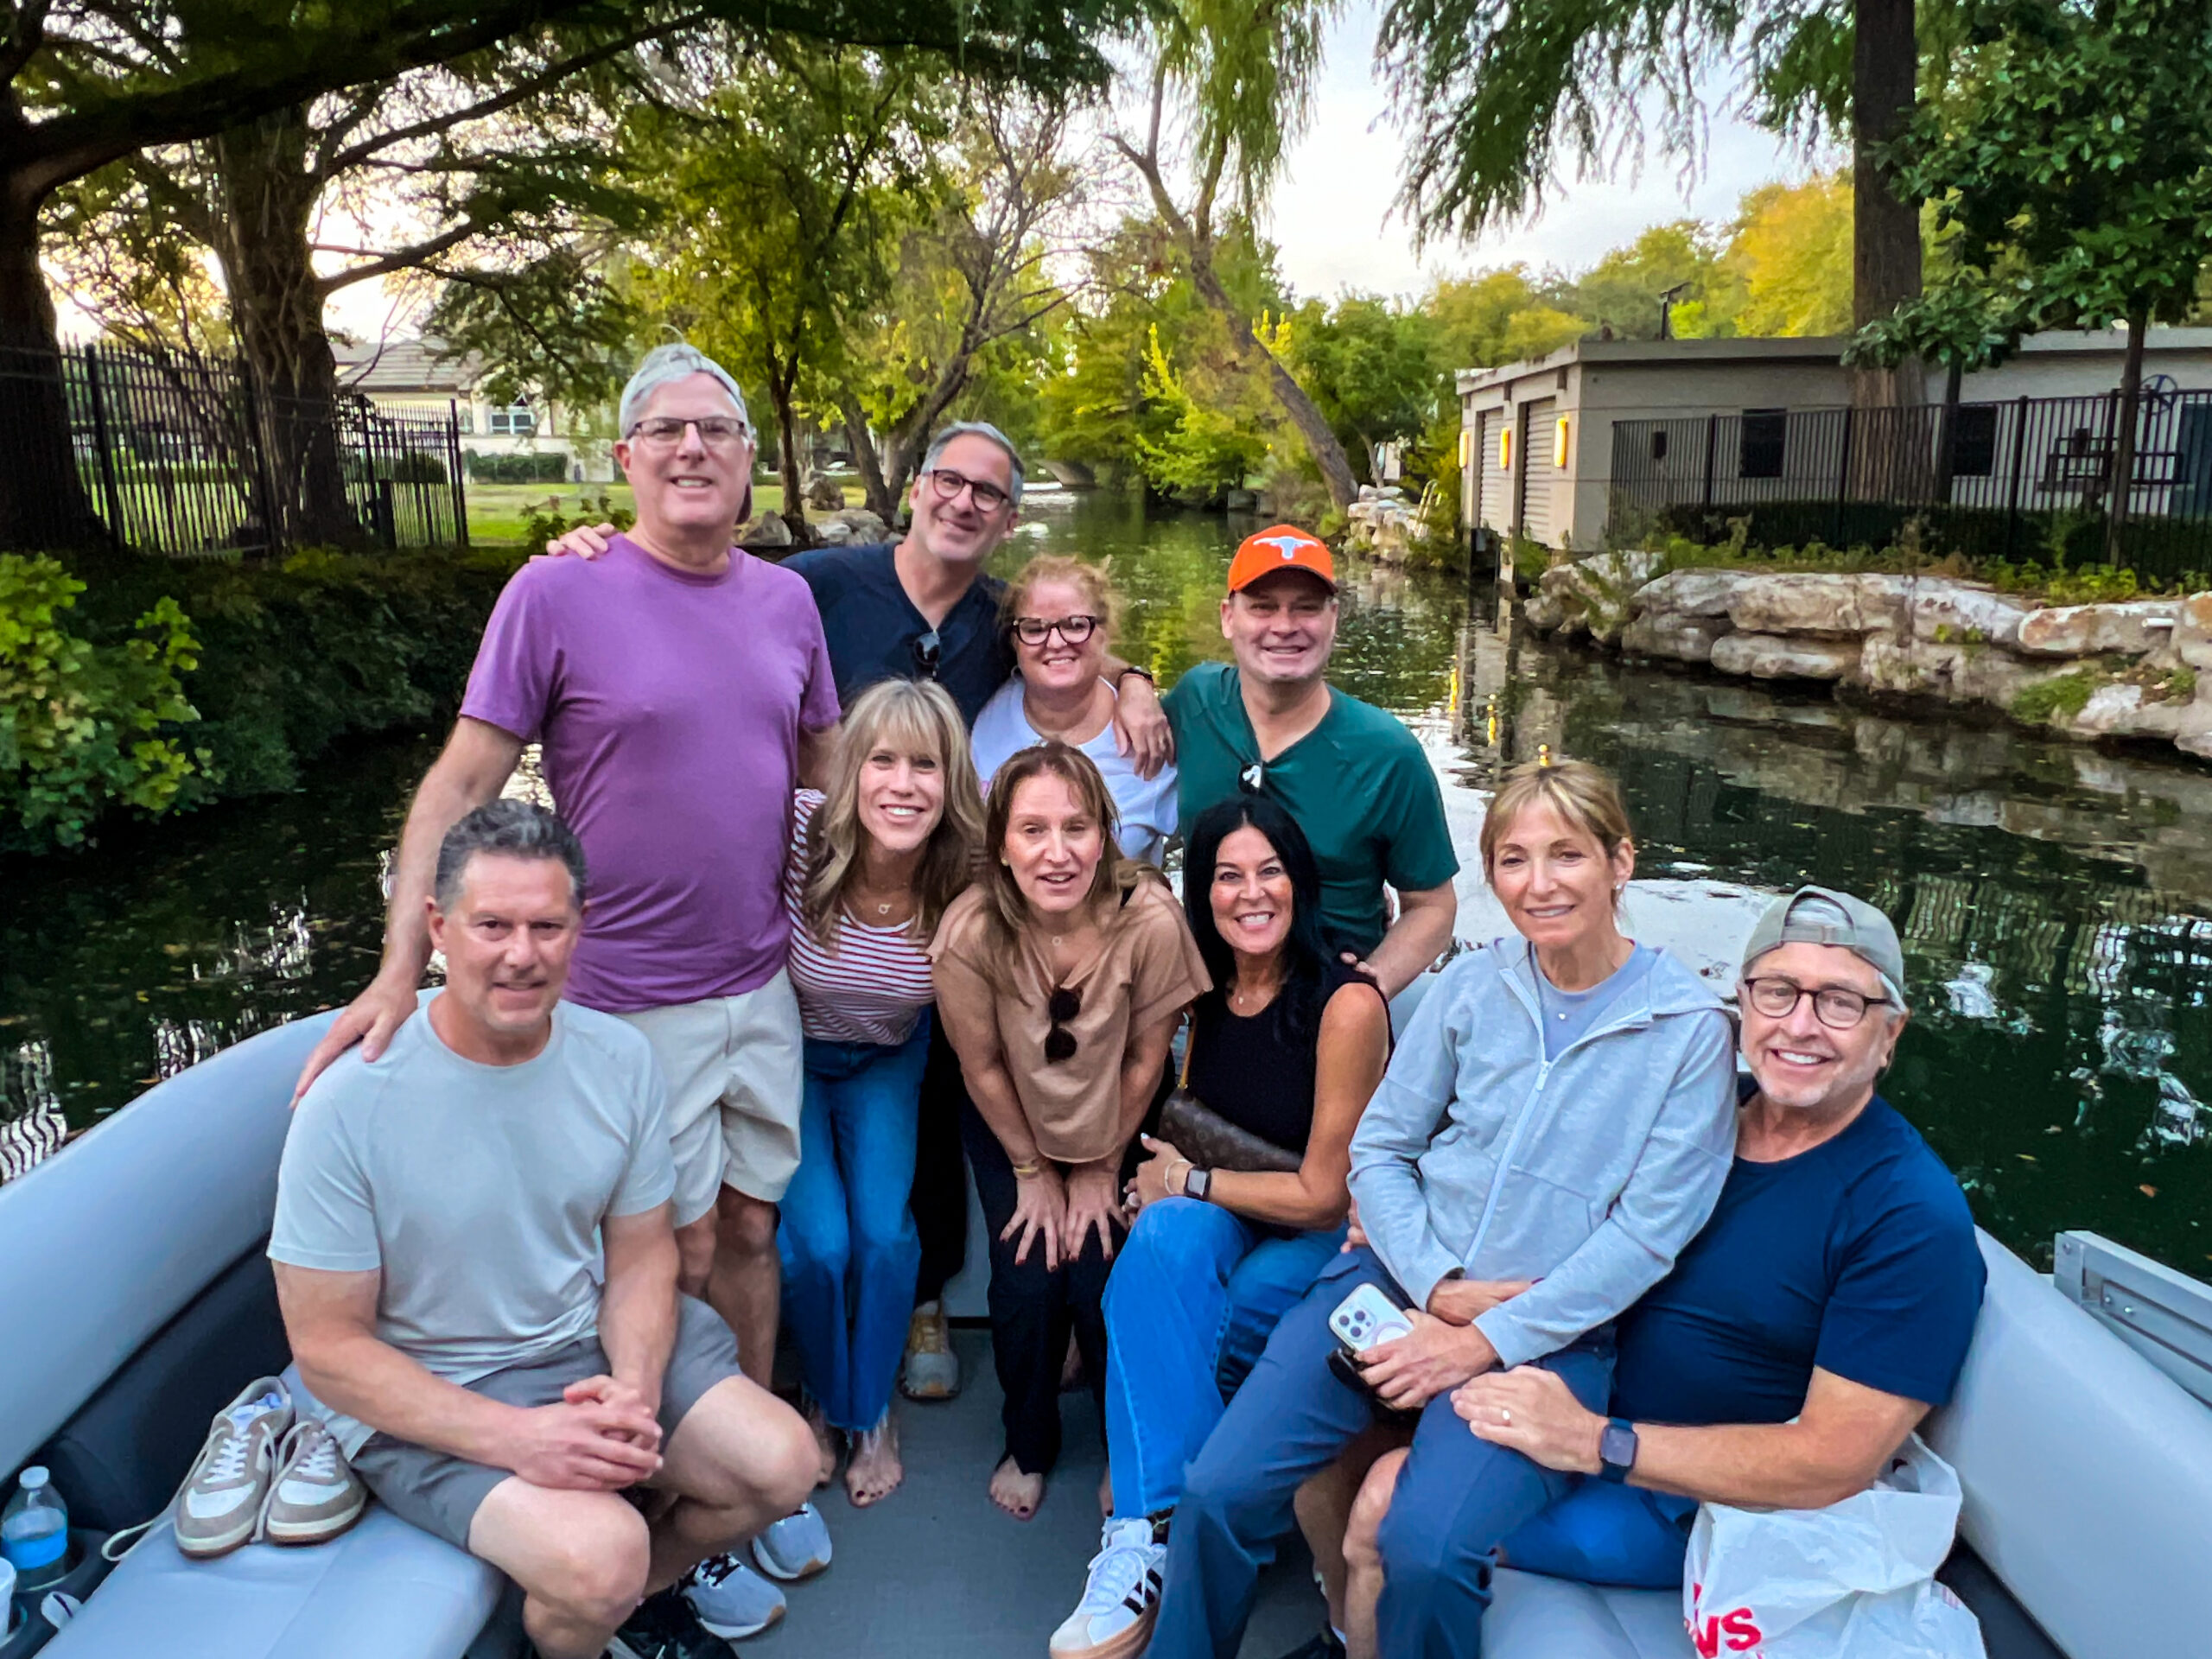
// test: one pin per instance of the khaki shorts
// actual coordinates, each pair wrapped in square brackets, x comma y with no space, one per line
[735,1069]
[441,1493]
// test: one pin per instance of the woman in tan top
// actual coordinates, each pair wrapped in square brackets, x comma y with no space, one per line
[1060,978]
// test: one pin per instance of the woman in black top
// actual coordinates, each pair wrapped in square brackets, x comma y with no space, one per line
[1288,1046]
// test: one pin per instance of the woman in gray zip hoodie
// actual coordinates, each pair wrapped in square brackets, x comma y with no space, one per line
[1555,1126]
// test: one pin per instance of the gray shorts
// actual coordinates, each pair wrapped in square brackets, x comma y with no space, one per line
[439,1492]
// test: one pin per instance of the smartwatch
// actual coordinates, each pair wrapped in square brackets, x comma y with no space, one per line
[1138,668]
[1616,1450]
[1197,1183]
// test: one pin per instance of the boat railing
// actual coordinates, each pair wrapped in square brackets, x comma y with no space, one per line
[2165,1316]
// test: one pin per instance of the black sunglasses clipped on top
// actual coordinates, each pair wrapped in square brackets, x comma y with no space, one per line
[1059,1041]
[929,651]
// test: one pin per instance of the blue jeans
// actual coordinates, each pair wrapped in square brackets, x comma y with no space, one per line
[1194,1294]
[1600,1533]
[847,1238]
[1456,1499]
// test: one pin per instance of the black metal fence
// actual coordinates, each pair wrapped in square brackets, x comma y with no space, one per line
[2018,480]
[181,455]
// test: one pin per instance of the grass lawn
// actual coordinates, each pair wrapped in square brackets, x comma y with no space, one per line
[496,511]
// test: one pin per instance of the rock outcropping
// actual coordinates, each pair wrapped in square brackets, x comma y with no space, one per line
[2124,670]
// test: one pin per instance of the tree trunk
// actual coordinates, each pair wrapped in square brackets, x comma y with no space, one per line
[2122,495]
[42,499]
[1313,426]
[267,202]
[881,499]
[1884,229]
[792,465]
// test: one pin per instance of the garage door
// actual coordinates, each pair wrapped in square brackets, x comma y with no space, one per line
[1495,482]
[1539,474]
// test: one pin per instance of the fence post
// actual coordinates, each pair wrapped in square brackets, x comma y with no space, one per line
[108,487]
[1712,438]
[1842,477]
[459,492]
[2019,463]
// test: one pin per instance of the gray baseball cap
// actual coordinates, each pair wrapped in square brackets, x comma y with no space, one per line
[1824,916]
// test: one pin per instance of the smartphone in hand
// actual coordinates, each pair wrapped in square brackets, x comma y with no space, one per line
[1366,1318]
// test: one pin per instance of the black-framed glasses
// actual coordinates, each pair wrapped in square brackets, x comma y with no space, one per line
[1059,1042]
[948,484]
[929,651]
[1035,630]
[1837,1007]
[716,431]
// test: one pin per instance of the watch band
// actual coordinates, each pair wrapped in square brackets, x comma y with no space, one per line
[1135,668]
[1616,1449]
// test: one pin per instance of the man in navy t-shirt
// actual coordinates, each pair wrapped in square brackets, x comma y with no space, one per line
[1823,1312]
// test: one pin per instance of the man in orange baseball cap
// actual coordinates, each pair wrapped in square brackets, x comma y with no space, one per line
[1350,773]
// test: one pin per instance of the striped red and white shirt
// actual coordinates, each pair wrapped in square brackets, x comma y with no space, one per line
[870,988]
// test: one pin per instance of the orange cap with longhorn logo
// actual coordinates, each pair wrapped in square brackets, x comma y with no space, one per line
[1280,547]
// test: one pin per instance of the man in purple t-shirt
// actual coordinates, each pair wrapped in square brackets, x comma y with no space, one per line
[679,692]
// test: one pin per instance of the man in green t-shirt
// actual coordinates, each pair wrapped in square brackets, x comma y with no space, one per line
[1350,773]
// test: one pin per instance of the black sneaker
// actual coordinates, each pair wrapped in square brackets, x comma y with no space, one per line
[665,1627]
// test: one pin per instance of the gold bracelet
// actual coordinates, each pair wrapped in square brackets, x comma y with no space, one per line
[1030,1171]
[1168,1180]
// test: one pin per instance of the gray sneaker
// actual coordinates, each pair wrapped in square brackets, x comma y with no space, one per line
[314,1495]
[220,1504]
[931,1371]
[797,1547]
[731,1599]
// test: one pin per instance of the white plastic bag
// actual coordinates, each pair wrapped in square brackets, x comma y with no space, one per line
[1856,1580]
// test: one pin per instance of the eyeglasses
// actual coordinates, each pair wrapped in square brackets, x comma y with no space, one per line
[929,651]
[1833,1006]
[1035,630]
[716,431]
[948,484]
[1059,1041]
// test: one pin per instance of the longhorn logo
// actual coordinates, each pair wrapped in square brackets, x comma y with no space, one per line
[1289,544]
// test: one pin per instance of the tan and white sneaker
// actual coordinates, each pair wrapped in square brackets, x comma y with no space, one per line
[931,1371]
[219,1505]
[315,1494]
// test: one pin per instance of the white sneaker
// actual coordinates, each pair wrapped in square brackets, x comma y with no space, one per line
[220,1504]
[797,1547]
[731,1599]
[1120,1599]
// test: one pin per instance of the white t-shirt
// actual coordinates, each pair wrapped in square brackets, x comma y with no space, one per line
[1147,805]
[478,1190]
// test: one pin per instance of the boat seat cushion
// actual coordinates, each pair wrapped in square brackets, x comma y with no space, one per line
[1536,1617]
[383,1591]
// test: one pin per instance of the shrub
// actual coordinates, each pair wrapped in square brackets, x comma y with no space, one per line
[88,726]
[2065,695]
[524,467]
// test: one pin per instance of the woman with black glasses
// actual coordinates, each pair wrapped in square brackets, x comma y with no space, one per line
[1059,613]
[1060,978]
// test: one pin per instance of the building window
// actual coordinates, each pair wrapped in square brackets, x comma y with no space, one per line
[1659,443]
[1974,441]
[1758,450]
[465,417]
[517,420]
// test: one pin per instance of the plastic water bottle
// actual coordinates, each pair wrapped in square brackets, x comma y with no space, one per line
[35,1533]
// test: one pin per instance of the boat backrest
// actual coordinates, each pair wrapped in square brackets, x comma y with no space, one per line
[2088,1474]
[111,1238]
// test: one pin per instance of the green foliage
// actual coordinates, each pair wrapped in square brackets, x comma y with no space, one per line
[1370,366]
[540,526]
[2062,697]
[87,725]
[518,466]
[1206,449]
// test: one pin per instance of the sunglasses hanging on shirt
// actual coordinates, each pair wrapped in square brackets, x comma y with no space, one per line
[929,651]
[1059,1041]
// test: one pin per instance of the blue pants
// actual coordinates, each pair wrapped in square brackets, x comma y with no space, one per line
[1194,1294]
[1456,1499]
[847,1236]
[1603,1534]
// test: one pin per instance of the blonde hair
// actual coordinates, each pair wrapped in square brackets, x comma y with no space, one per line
[917,719]
[1087,579]
[1005,911]
[1582,796]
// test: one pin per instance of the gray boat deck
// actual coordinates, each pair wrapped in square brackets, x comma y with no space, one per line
[935,1571]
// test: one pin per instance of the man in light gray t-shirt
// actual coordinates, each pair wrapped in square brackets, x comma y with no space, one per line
[444,1219]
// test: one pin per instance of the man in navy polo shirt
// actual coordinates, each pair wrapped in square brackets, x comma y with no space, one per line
[1824,1311]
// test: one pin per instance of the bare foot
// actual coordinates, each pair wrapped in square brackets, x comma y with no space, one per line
[1017,1494]
[875,1471]
[1106,1494]
[825,1441]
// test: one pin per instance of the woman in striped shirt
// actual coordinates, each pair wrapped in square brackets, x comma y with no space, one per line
[874,863]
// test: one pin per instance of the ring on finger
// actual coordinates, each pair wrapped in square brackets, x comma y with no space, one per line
[1505,1415]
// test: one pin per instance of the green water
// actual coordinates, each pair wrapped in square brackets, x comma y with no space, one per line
[2055,900]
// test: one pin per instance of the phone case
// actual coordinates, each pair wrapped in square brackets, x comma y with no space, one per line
[1367,1317]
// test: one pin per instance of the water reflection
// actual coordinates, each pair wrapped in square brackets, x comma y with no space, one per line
[2055,902]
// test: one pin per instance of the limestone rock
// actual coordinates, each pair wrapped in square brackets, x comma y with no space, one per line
[1824,606]
[1543,611]
[1962,610]
[825,492]
[861,525]
[2193,731]
[1668,633]
[1768,656]
[1592,593]
[765,530]
[2135,628]
[1687,592]
[2193,633]
[834,532]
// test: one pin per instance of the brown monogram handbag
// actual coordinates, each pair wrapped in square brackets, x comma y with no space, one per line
[1210,1141]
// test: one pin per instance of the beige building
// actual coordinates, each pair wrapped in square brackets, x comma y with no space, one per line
[1536,447]
[421,376]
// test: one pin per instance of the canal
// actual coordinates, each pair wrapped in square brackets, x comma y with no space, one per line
[2055,900]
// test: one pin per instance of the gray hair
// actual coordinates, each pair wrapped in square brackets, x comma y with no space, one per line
[509,828]
[676,362]
[977,430]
